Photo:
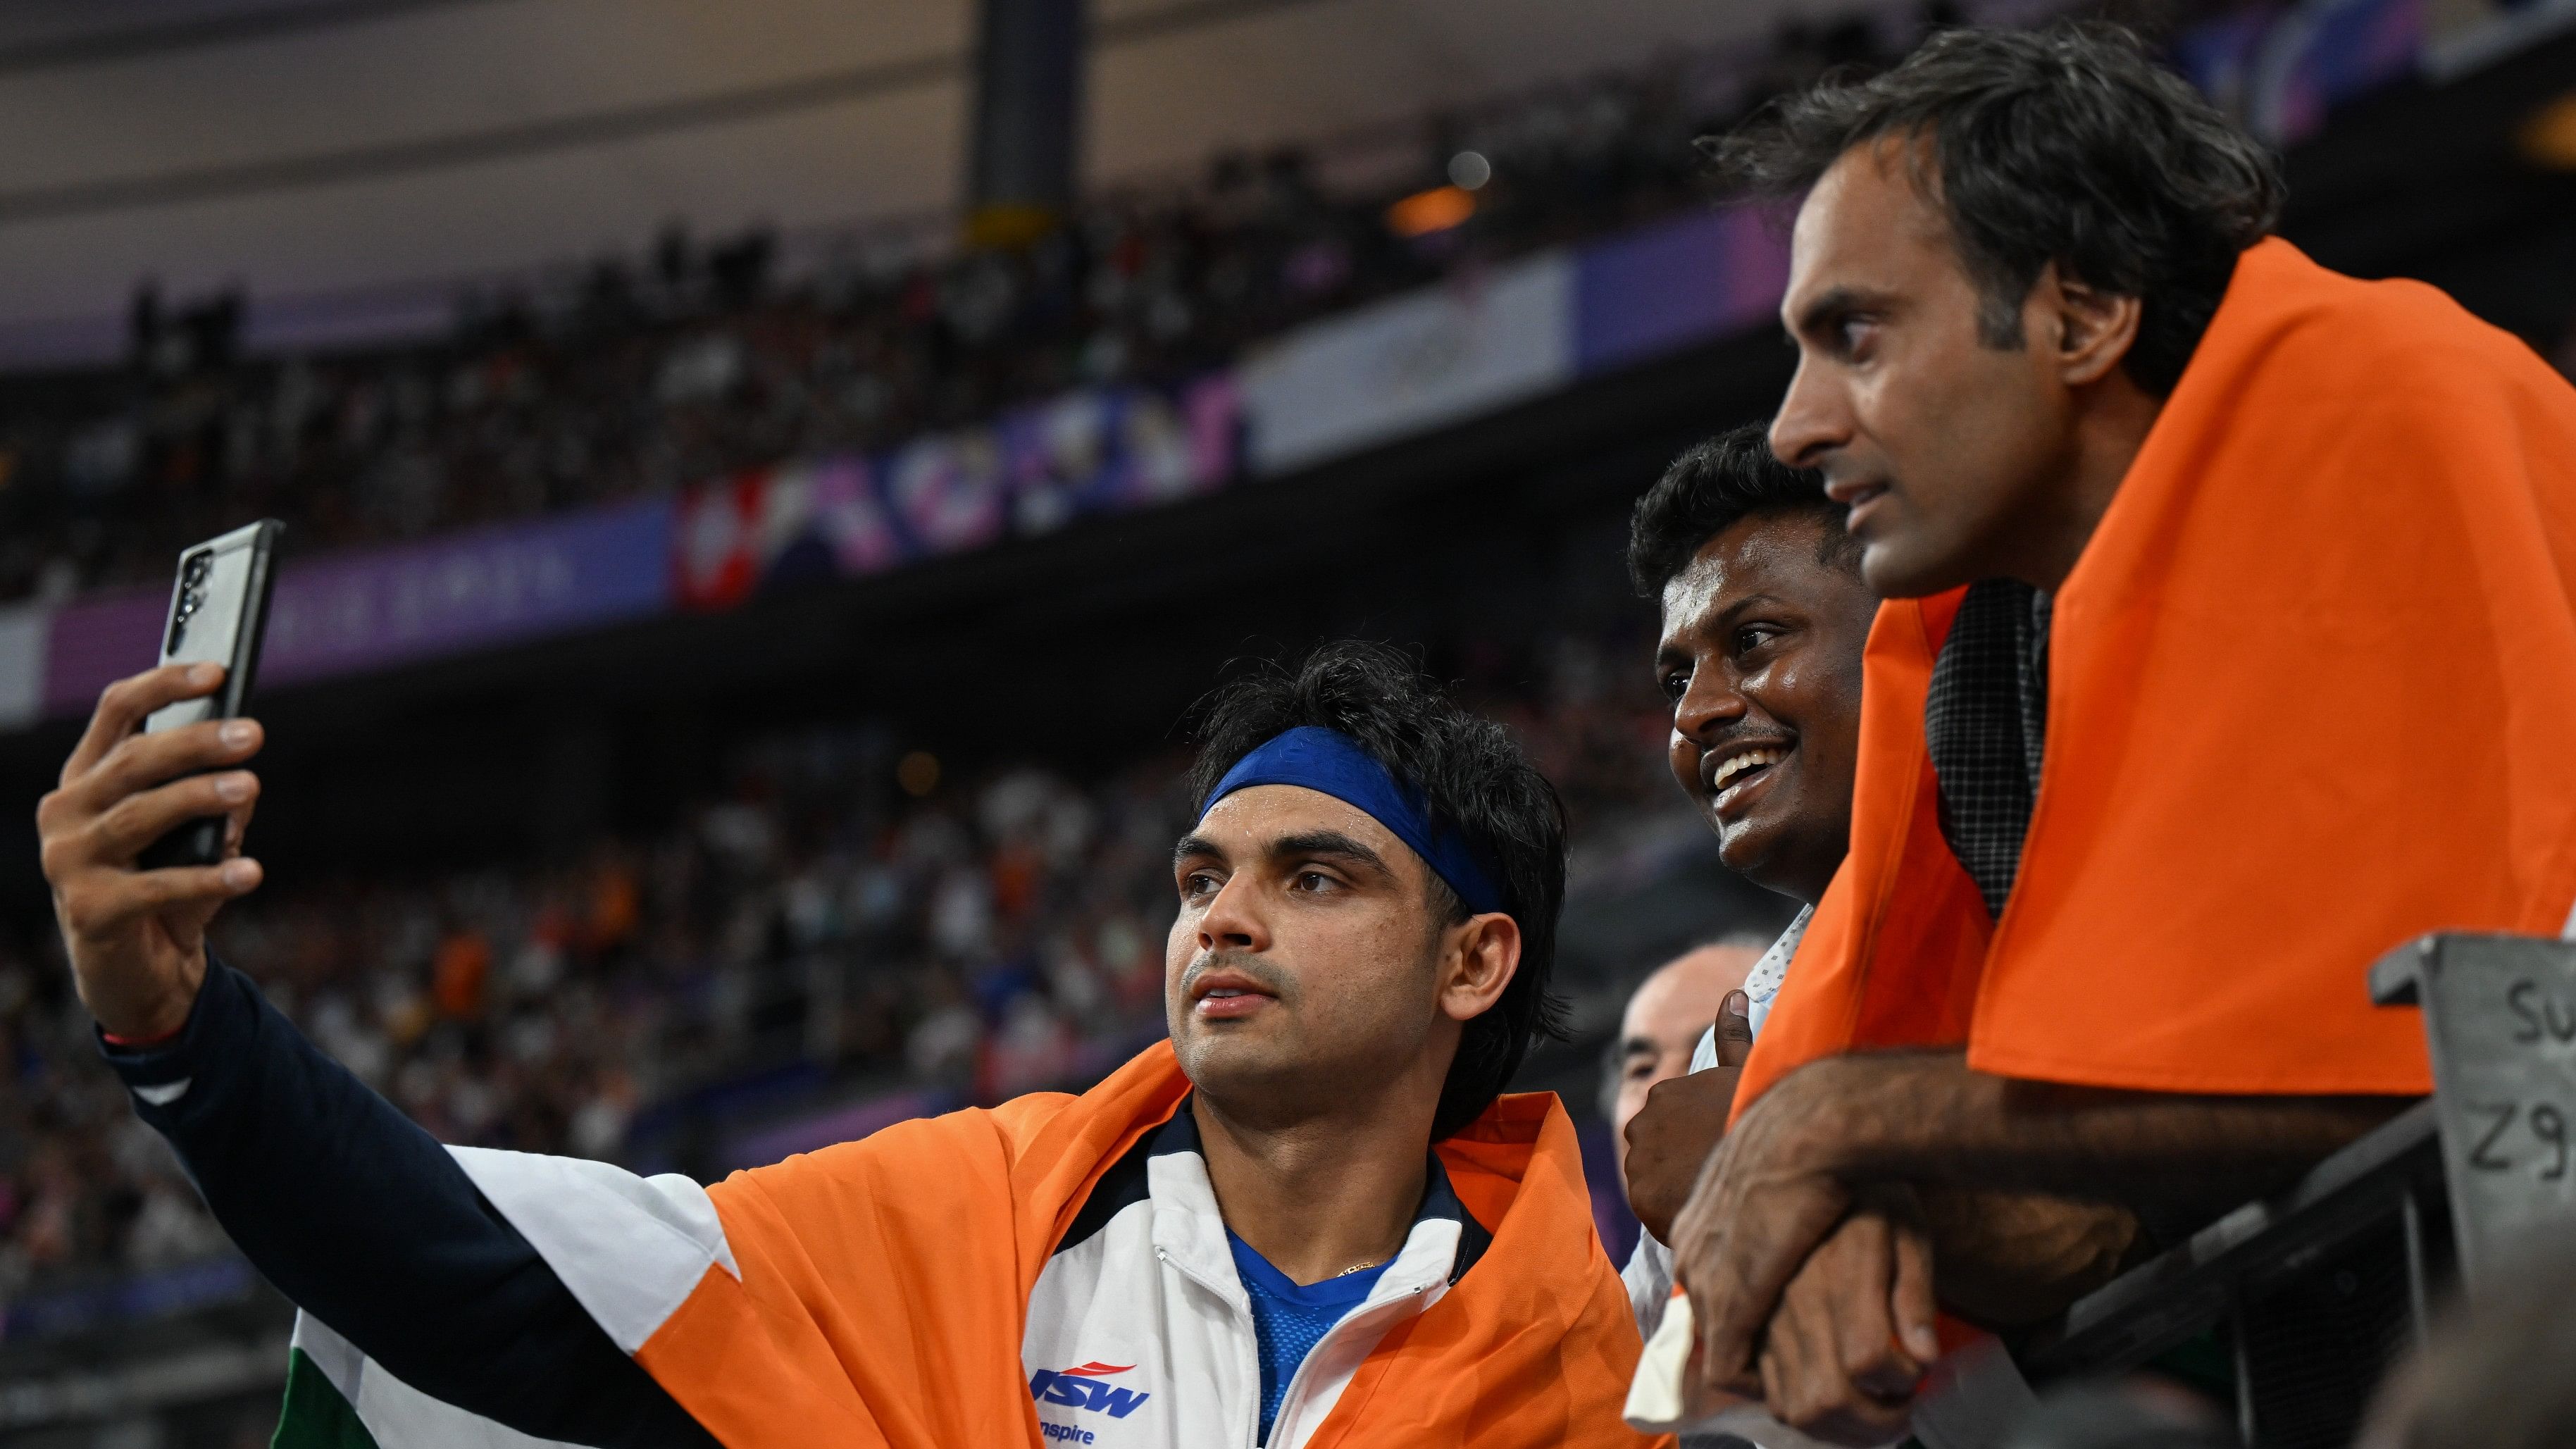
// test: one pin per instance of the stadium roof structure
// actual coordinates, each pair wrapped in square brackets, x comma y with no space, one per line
[307,147]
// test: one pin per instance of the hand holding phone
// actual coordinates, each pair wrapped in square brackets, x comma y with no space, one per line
[136,938]
[218,615]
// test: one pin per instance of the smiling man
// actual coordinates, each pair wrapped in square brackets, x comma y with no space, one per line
[1308,1217]
[1764,619]
[1763,615]
[2168,516]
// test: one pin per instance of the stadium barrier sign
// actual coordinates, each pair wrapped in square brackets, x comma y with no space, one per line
[2500,1019]
[499,586]
[1411,364]
[735,535]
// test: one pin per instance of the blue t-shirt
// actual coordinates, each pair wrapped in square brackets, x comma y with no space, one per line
[1290,1320]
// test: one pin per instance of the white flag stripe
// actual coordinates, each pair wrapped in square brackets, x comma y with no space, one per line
[631,1249]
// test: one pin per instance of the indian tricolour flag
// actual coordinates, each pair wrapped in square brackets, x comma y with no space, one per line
[338,1398]
[630,1249]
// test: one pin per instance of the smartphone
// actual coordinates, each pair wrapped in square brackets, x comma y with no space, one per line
[218,613]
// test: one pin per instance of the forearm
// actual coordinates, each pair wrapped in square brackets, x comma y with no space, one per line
[1924,1117]
[366,1222]
[2006,1260]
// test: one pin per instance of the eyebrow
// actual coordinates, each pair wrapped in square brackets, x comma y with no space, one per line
[1669,652]
[1638,1046]
[1330,843]
[1334,844]
[1727,617]
[1826,307]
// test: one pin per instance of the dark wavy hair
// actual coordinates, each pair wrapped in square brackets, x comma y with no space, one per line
[1472,775]
[2067,144]
[1716,484]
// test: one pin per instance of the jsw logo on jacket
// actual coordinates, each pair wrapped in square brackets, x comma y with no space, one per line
[1082,1388]
[1145,1278]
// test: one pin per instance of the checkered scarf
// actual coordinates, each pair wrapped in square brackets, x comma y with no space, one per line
[1984,720]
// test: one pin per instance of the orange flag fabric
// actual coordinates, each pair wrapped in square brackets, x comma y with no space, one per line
[2312,691]
[884,1286]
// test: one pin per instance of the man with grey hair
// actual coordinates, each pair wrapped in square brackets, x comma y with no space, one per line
[1665,1033]
[1665,1018]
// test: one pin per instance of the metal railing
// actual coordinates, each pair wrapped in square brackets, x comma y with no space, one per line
[2313,1294]
[2310,1294]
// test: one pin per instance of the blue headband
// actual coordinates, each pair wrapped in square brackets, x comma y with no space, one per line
[1331,762]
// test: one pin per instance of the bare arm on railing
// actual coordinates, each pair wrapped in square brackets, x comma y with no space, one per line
[1854,1329]
[1787,1172]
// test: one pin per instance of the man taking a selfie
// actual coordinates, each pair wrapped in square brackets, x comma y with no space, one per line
[1308,1216]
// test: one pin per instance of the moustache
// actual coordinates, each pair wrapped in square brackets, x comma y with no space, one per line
[1268,977]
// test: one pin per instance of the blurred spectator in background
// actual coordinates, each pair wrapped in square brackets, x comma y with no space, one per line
[1684,1000]
[1672,1009]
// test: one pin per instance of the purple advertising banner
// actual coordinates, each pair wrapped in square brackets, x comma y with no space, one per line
[348,612]
[1099,450]
[1683,282]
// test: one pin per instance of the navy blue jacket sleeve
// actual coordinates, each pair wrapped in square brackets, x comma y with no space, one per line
[368,1224]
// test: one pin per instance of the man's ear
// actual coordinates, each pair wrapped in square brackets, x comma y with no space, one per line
[1480,962]
[2093,329]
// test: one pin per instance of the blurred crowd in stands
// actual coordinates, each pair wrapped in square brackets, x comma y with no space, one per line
[693,362]
[842,918]
[838,920]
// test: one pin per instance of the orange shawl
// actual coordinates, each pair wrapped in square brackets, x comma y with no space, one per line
[2312,691]
[885,1284]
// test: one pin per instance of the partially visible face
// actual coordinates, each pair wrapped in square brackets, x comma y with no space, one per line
[1305,963]
[1665,1021]
[1761,658]
[1944,447]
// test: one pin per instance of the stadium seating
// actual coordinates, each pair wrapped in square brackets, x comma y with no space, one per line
[699,362]
[842,936]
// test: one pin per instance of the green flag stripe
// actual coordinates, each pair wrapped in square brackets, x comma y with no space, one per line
[316,1416]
